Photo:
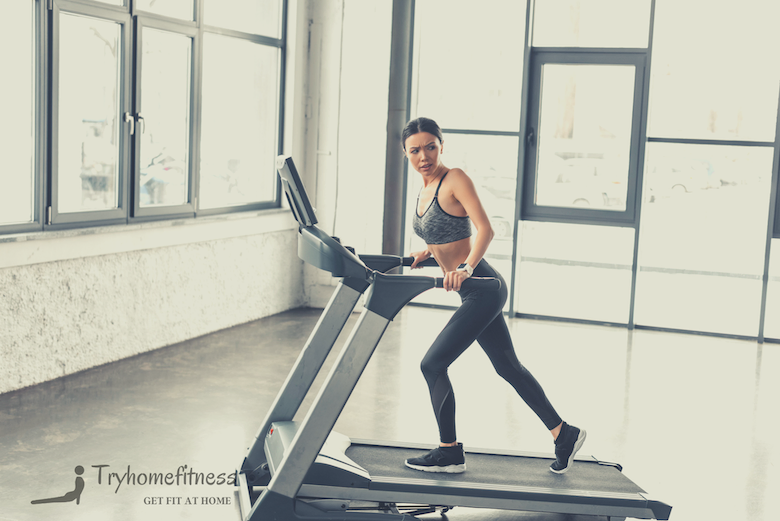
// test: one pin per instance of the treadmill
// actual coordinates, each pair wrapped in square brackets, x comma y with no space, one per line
[302,470]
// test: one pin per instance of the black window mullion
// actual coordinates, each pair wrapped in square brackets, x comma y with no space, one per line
[172,21]
[198,16]
[42,104]
[475,132]
[282,86]
[197,90]
[53,67]
[134,109]
[127,89]
[773,226]
[255,38]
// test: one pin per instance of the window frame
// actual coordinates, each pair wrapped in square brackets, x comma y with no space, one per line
[56,219]
[775,234]
[774,207]
[281,46]
[190,30]
[540,56]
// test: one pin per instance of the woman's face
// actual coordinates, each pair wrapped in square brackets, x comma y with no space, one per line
[423,151]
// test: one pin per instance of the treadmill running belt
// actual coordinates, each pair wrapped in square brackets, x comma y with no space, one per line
[499,470]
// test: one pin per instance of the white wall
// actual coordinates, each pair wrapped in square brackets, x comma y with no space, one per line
[60,317]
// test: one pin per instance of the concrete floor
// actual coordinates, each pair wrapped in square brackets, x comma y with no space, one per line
[691,419]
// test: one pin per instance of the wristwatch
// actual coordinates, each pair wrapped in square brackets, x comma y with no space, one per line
[465,267]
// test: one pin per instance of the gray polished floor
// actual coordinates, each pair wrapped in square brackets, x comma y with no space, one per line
[692,419]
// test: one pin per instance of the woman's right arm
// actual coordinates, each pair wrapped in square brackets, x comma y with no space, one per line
[420,256]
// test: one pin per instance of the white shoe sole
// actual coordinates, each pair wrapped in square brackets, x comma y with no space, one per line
[577,446]
[449,469]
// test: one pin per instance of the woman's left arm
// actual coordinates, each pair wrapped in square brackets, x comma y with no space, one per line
[464,191]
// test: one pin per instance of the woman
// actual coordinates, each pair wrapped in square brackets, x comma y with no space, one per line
[446,207]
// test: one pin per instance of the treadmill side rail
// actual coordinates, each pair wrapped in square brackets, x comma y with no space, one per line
[328,404]
[331,467]
[304,371]
[323,251]
[478,495]
[390,293]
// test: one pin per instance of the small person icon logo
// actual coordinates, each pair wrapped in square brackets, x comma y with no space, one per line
[75,494]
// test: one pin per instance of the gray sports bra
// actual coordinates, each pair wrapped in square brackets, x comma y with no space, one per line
[435,226]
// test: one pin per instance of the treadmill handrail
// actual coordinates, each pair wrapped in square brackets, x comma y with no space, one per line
[384,263]
[388,294]
[485,283]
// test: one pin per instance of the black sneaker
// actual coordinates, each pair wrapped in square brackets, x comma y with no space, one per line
[441,459]
[568,443]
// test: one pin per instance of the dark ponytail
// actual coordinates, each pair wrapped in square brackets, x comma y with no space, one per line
[418,125]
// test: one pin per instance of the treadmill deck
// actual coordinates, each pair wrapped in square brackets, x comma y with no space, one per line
[513,471]
[508,480]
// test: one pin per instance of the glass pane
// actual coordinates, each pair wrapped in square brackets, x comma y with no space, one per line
[592,23]
[469,82]
[17,140]
[363,119]
[250,16]
[491,163]
[584,136]
[771,322]
[240,122]
[165,105]
[89,125]
[574,271]
[183,9]
[112,2]
[715,71]
[703,237]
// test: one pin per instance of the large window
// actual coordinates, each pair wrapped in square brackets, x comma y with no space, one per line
[574,271]
[591,23]
[239,134]
[702,263]
[649,150]
[126,111]
[715,70]
[703,237]
[467,79]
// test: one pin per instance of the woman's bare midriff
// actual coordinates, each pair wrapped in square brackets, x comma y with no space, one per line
[451,255]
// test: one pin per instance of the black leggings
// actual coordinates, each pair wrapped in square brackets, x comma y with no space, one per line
[480,318]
